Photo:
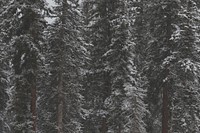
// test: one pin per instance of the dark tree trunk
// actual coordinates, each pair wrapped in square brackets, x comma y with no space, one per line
[60,105]
[33,106]
[104,127]
[119,128]
[167,85]
[165,110]
[1,125]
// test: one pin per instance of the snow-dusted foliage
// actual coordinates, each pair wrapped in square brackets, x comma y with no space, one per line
[4,74]
[22,28]
[61,100]
[100,66]
[174,66]
[123,72]
[113,72]
[186,97]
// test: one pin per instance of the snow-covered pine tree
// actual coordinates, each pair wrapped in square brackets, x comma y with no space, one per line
[126,106]
[23,25]
[88,92]
[160,15]
[139,29]
[112,70]
[185,108]
[4,67]
[174,66]
[61,100]
[98,87]
[136,11]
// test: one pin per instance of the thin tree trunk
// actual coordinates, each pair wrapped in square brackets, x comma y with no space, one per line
[165,111]
[167,85]
[119,128]
[60,84]
[60,105]
[33,106]
[104,127]
[60,117]
[1,125]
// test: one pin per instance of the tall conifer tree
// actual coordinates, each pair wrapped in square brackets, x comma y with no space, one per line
[24,24]
[4,70]
[173,55]
[61,99]
[113,73]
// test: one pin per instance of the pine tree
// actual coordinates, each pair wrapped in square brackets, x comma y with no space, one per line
[98,85]
[185,103]
[161,16]
[173,55]
[61,100]
[4,76]
[127,109]
[24,24]
[138,11]
[88,92]
[115,102]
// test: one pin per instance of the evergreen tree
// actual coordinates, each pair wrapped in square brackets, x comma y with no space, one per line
[88,120]
[185,103]
[161,16]
[4,73]
[61,100]
[24,24]
[97,89]
[127,108]
[112,75]
[173,55]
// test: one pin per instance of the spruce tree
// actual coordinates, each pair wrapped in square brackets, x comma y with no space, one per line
[172,55]
[24,25]
[185,103]
[61,99]
[161,16]
[4,72]
[127,108]
[116,100]
[98,85]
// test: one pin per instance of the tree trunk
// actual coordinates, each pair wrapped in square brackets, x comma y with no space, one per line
[119,128]
[104,127]
[1,125]
[60,117]
[167,85]
[33,106]
[165,111]
[60,106]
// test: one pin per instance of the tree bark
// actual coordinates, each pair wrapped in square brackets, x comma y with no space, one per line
[60,82]
[167,85]
[33,106]
[60,117]
[165,110]
[104,127]
[119,128]
[1,125]
[60,105]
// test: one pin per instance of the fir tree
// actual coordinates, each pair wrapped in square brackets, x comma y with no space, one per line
[98,86]
[61,99]
[185,103]
[127,109]
[24,24]
[112,76]
[173,55]
[4,73]
[161,17]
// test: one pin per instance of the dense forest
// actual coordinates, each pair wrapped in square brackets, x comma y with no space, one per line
[100,66]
